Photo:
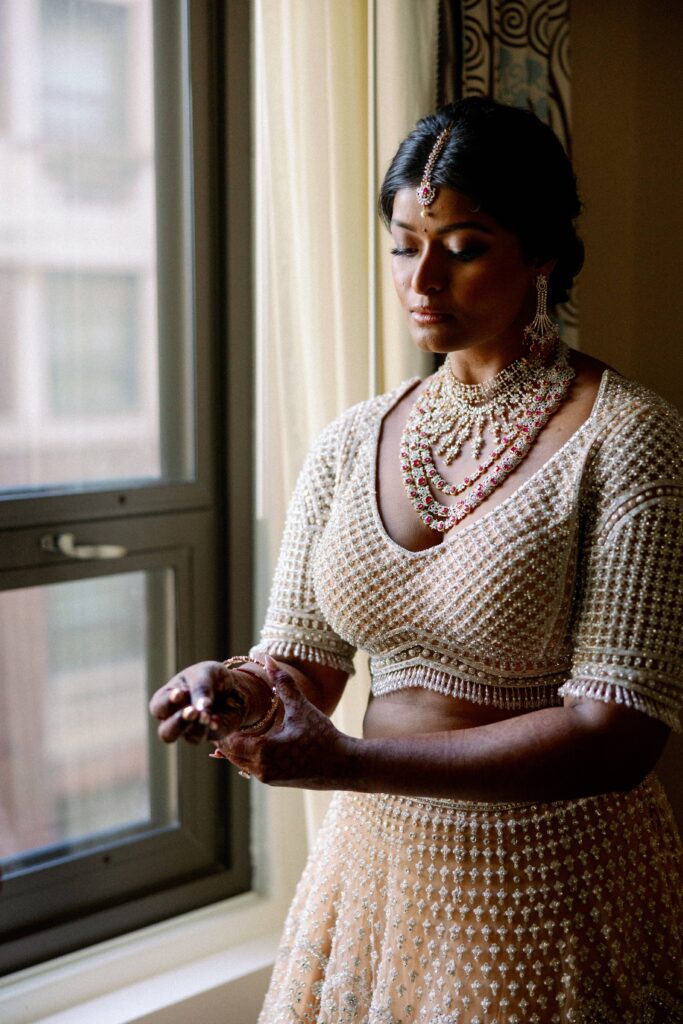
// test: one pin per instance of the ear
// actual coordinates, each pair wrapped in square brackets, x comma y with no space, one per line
[545,267]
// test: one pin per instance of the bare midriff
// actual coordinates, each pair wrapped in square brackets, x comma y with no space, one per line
[410,711]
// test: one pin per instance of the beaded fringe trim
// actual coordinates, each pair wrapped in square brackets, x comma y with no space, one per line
[526,695]
[296,649]
[610,692]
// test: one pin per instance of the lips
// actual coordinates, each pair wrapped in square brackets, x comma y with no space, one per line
[427,315]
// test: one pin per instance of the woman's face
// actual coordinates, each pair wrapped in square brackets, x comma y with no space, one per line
[462,279]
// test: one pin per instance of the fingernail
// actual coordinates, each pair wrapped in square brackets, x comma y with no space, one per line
[213,725]
[190,714]
[204,717]
[177,695]
[203,703]
[271,665]
[217,756]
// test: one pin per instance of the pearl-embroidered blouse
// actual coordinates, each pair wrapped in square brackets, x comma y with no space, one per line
[572,585]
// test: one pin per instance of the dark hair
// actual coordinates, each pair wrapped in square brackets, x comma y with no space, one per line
[512,166]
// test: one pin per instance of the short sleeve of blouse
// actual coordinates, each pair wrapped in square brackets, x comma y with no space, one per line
[294,625]
[628,621]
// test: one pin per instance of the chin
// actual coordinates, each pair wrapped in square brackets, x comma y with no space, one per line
[439,345]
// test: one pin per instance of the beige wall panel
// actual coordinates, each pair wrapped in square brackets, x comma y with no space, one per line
[628,147]
[627,98]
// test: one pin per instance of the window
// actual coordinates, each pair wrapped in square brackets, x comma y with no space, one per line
[115,546]
[92,344]
[83,61]
[7,336]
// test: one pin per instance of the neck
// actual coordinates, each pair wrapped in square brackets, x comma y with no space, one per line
[476,365]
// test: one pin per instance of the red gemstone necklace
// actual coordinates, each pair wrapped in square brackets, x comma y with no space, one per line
[515,405]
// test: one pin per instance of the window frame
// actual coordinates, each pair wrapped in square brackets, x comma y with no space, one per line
[154,520]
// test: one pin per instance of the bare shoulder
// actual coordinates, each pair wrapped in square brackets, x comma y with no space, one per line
[586,384]
[588,369]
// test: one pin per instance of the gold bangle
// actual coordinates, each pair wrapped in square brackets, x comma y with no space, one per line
[264,721]
[239,659]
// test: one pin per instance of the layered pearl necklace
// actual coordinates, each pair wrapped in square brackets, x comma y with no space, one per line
[515,405]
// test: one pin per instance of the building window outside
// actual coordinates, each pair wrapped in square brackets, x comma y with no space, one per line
[85,773]
[79,400]
[91,328]
[83,61]
[7,348]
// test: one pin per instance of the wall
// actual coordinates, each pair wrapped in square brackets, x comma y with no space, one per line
[627,94]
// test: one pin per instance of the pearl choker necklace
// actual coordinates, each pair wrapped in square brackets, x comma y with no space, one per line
[515,405]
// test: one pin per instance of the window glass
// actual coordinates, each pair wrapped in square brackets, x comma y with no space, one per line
[76,749]
[83,272]
[83,71]
[7,386]
[91,326]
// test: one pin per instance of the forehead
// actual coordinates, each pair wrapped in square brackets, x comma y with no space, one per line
[450,209]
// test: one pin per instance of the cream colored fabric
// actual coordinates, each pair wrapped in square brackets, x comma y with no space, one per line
[332,101]
[573,585]
[442,912]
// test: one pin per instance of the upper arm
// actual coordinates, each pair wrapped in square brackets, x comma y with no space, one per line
[628,620]
[629,743]
[296,629]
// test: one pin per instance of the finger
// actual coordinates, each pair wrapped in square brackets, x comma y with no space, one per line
[173,728]
[166,701]
[188,724]
[289,693]
[205,683]
[278,676]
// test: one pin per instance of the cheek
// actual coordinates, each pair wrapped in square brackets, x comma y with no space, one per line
[401,278]
[498,289]
[476,290]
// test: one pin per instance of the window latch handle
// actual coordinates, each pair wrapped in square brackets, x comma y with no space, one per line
[65,544]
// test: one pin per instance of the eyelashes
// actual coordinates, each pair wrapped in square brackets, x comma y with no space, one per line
[466,255]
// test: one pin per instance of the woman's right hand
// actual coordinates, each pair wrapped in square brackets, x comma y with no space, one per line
[204,701]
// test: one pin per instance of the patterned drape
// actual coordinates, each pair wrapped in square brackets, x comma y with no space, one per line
[517,52]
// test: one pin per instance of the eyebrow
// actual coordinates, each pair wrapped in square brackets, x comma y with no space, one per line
[460,225]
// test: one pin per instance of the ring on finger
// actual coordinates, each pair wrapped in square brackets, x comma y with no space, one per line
[243,773]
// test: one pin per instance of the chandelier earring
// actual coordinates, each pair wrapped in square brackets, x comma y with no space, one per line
[542,334]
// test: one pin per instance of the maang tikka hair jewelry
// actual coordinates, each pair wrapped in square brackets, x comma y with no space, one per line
[426,193]
[542,333]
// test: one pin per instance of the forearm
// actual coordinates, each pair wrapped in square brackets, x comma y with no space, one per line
[551,754]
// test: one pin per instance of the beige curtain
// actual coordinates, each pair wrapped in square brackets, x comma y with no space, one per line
[337,85]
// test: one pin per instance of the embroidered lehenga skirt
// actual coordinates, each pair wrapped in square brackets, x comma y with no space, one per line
[447,912]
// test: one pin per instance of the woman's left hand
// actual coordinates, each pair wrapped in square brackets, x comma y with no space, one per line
[306,750]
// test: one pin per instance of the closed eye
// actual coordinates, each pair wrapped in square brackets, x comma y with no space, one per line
[472,252]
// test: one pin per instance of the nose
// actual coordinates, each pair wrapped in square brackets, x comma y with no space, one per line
[428,272]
